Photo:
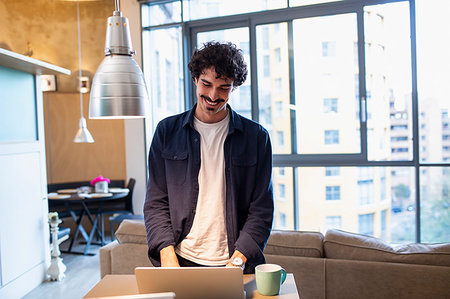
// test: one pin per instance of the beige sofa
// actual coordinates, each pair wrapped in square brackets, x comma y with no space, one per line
[339,265]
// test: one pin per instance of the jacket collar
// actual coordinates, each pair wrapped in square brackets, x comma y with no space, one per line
[235,119]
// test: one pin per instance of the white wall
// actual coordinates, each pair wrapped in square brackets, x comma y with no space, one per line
[135,142]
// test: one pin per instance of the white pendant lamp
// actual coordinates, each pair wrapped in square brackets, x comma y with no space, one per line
[118,88]
[83,135]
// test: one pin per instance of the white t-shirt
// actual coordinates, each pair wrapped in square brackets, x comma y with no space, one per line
[206,243]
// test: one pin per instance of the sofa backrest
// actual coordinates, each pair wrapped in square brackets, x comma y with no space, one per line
[131,231]
[350,246]
[295,243]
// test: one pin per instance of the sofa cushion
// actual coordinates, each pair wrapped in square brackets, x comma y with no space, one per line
[131,231]
[350,246]
[295,243]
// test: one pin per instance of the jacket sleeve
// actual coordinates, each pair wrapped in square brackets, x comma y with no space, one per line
[256,230]
[156,206]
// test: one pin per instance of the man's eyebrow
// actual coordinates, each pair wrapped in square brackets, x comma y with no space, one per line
[223,85]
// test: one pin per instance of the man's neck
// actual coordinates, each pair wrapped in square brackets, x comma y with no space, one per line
[210,118]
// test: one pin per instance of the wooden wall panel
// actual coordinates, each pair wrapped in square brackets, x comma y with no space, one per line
[68,161]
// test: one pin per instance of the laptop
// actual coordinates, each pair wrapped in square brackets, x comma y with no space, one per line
[169,295]
[192,282]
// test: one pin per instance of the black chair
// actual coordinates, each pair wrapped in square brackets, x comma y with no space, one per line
[121,214]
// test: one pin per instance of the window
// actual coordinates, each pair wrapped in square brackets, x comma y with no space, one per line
[281,191]
[333,222]
[265,38]
[399,127]
[330,105]
[365,224]
[282,220]
[279,109]
[332,171]
[279,85]
[365,192]
[399,150]
[328,48]
[280,138]
[399,138]
[306,59]
[266,65]
[331,136]
[384,224]
[333,192]
[277,55]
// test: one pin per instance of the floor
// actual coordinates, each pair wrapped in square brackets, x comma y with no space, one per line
[82,273]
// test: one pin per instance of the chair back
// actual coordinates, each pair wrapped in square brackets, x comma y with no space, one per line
[121,205]
[129,198]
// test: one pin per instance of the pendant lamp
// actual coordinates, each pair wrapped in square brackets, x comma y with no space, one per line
[83,135]
[118,88]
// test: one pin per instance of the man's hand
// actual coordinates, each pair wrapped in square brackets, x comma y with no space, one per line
[236,253]
[168,257]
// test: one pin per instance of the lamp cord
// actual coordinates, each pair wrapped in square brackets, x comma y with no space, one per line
[79,58]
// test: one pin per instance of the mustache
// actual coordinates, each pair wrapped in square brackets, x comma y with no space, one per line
[209,99]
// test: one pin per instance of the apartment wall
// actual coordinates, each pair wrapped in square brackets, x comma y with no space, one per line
[47,30]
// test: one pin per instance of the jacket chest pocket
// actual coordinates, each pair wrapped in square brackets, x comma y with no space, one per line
[244,172]
[176,164]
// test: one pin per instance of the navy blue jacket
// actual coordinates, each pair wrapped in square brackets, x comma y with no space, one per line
[172,190]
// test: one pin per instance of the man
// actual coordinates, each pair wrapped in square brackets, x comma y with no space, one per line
[209,197]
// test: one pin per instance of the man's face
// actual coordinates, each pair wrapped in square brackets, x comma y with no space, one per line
[212,95]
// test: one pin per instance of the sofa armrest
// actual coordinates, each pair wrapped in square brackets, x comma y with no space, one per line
[105,258]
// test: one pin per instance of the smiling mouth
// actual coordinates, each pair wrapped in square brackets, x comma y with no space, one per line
[211,102]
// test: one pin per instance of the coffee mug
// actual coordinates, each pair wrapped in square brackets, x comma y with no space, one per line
[269,278]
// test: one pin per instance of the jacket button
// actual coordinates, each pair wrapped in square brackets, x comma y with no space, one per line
[196,139]
[175,157]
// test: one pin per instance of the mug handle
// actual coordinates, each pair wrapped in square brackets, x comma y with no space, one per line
[283,275]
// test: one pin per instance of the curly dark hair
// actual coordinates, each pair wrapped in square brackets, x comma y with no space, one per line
[226,58]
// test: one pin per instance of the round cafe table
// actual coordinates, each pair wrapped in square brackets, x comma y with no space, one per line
[91,206]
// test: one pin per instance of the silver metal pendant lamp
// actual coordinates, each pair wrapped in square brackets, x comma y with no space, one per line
[118,88]
[83,135]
